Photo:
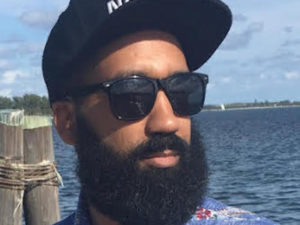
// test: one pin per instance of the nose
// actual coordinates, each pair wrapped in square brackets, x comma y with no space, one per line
[162,118]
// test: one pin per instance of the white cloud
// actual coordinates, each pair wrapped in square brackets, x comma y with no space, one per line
[241,40]
[211,86]
[5,92]
[6,51]
[4,64]
[291,43]
[12,39]
[263,76]
[39,19]
[240,18]
[10,76]
[225,80]
[288,29]
[292,75]
[31,48]
[12,7]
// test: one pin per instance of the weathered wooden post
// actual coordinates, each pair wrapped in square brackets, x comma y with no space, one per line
[41,203]
[11,154]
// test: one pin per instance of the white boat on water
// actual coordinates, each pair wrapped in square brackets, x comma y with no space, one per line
[222,107]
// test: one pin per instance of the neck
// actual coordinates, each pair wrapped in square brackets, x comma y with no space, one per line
[98,218]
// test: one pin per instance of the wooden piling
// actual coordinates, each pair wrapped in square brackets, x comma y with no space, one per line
[11,151]
[41,204]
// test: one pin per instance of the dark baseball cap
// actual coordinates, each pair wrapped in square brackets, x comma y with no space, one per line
[87,25]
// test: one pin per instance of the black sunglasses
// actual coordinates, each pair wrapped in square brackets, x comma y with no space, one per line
[132,98]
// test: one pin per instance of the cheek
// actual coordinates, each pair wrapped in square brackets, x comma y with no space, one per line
[185,129]
[121,135]
[126,137]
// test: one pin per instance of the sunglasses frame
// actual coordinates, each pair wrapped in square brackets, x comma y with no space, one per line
[79,92]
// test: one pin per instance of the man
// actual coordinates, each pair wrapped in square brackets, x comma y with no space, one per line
[122,92]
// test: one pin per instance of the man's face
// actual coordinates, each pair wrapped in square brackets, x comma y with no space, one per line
[150,171]
[156,55]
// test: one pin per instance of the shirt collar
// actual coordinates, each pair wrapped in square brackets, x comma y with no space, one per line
[82,215]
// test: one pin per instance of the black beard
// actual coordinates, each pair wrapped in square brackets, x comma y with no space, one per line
[117,187]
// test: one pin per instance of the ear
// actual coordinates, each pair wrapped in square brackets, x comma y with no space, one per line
[64,121]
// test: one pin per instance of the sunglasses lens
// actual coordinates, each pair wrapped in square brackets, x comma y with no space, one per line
[186,93]
[132,99]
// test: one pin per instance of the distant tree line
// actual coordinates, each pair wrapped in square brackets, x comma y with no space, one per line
[255,104]
[39,105]
[31,103]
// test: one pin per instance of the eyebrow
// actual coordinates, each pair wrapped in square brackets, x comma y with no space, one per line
[129,73]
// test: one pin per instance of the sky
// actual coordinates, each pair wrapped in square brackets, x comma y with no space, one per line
[259,60]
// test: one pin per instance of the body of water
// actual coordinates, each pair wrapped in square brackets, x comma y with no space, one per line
[253,156]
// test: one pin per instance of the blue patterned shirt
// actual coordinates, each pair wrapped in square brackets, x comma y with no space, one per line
[210,212]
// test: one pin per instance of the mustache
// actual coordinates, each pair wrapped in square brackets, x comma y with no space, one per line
[157,144]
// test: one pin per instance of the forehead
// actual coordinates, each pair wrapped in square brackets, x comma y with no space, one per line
[155,53]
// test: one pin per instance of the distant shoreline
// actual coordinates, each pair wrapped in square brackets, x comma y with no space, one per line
[39,105]
[252,108]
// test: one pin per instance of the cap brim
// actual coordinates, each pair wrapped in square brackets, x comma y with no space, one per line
[200,26]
